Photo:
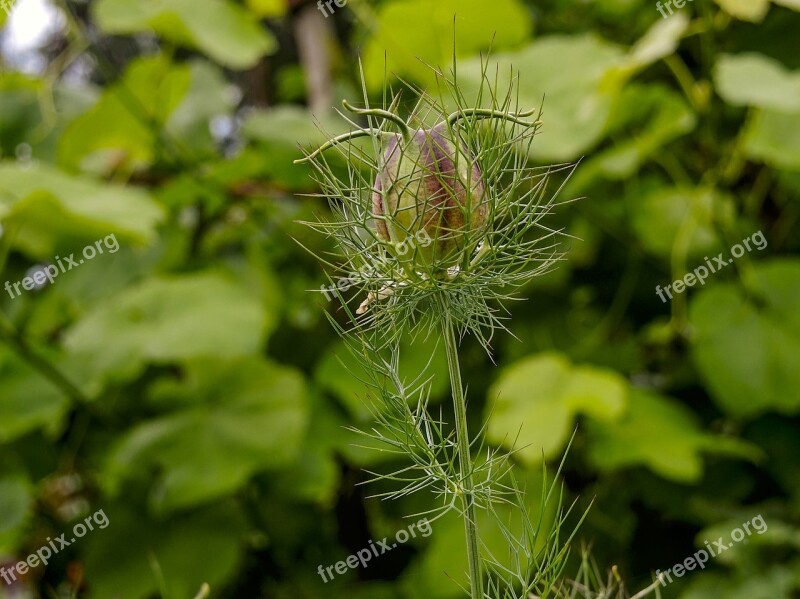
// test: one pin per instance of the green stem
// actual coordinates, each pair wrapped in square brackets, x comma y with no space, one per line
[486,113]
[16,341]
[384,114]
[335,141]
[464,460]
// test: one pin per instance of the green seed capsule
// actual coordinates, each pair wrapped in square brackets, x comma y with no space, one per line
[429,199]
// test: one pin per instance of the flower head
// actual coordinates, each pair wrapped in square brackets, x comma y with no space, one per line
[441,210]
[428,185]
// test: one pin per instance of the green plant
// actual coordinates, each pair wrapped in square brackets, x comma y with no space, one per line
[464,182]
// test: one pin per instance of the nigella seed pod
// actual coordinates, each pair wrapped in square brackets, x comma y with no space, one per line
[429,200]
[433,208]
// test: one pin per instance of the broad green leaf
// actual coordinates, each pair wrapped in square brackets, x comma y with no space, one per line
[281,134]
[406,34]
[122,130]
[533,405]
[46,210]
[291,127]
[793,4]
[668,116]
[662,435]
[578,77]
[169,319]
[757,80]
[221,29]
[332,431]
[28,401]
[746,10]
[667,216]
[158,110]
[236,418]
[747,350]
[774,138]
[207,97]
[314,475]
[661,40]
[204,546]
[759,530]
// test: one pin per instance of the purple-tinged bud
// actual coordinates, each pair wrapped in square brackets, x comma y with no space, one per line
[429,197]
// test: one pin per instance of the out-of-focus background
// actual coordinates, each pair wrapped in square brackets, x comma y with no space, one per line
[167,372]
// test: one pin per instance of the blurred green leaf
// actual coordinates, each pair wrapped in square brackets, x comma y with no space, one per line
[28,400]
[667,117]
[668,216]
[754,10]
[123,129]
[774,138]
[238,418]
[281,134]
[220,28]
[660,434]
[660,41]
[747,350]
[44,210]
[756,80]
[747,10]
[533,404]
[314,475]
[209,96]
[577,77]
[777,582]
[170,319]
[33,113]
[189,549]
[157,110]
[407,34]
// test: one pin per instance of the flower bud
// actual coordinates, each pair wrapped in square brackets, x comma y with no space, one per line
[429,197]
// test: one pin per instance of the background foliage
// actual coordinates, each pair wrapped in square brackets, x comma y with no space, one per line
[190,386]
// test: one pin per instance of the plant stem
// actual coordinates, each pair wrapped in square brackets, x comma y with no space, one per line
[464,460]
[17,342]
